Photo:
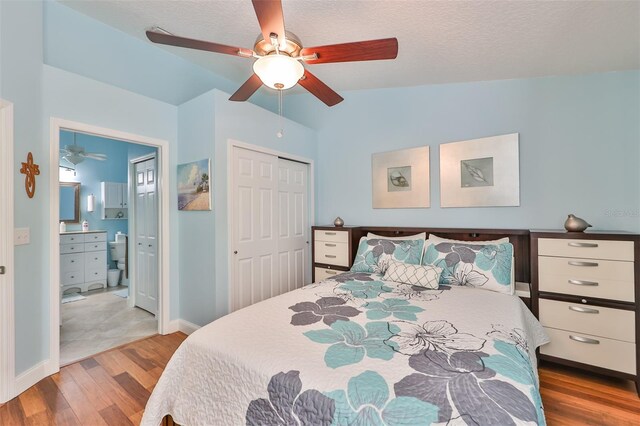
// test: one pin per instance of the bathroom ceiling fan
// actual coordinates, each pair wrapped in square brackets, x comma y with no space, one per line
[279,54]
[75,154]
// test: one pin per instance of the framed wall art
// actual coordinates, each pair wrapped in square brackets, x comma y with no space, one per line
[194,185]
[480,172]
[400,179]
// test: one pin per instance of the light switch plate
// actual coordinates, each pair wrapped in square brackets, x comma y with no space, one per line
[21,236]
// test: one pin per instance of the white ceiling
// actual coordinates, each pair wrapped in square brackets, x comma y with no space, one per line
[440,41]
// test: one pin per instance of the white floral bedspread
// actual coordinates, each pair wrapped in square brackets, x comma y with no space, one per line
[356,350]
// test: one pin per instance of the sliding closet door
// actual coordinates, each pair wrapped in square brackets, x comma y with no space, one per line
[293,225]
[254,236]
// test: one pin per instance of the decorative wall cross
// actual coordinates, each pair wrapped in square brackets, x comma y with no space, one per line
[30,170]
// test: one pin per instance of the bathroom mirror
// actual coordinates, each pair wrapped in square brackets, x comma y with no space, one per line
[70,202]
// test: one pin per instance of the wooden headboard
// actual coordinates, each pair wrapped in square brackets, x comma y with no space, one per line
[518,237]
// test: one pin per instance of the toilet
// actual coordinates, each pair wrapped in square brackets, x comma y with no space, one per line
[118,253]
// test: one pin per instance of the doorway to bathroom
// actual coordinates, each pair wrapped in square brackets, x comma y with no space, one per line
[110,286]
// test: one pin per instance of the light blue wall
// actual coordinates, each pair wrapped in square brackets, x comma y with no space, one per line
[205,126]
[90,173]
[21,84]
[579,148]
[77,43]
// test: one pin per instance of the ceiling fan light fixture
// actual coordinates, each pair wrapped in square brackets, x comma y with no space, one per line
[278,72]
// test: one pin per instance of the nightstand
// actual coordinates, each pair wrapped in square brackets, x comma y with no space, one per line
[586,293]
[332,251]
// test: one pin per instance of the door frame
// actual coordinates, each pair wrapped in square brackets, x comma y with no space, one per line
[56,125]
[231,144]
[7,317]
[131,301]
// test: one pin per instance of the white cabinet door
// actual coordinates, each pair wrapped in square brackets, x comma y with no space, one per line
[293,225]
[254,240]
[146,236]
[112,195]
[124,194]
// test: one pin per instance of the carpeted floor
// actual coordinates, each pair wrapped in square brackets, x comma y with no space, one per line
[99,322]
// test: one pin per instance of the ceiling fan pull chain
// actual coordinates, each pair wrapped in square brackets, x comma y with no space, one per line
[281,131]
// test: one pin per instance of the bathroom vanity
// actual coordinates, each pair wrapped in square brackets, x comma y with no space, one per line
[83,260]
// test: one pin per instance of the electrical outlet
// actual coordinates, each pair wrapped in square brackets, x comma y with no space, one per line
[21,236]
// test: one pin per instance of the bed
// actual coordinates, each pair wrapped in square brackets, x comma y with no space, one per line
[359,350]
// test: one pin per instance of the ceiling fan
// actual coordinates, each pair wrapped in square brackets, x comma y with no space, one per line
[280,54]
[75,154]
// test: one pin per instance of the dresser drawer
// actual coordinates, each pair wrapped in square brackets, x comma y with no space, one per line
[589,249]
[71,238]
[332,236]
[603,279]
[606,353]
[95,274]
[595,320]
[71,262]
[96,236]
[332,253]
[71,277]
[100,245]
[322,274]
[95,259]
[71,248]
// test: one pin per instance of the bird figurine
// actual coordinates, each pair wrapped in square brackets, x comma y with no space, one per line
[575,224]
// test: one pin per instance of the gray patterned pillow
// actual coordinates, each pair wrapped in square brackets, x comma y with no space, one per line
[426,276]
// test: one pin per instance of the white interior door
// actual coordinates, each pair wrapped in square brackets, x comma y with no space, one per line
[146,236]
[254,236]
[293,225]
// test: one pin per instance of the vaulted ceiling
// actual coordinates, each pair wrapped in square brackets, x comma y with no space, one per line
[440,41]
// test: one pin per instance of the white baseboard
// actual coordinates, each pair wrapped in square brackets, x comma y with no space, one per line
[182,325]
[33,375]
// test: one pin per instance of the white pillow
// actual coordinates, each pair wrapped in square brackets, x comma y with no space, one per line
[427,276]
[421,236]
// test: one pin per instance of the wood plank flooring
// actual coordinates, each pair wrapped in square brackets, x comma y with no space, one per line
[112,388]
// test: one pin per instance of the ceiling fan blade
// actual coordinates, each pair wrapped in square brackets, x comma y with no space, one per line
[247,89]
[371,50]
[189,43]
[319,89]
[271,18]
[95,156]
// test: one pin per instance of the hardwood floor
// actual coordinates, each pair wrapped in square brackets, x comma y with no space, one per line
[112,388]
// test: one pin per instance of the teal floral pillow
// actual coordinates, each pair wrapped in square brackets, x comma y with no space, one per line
[374,254]
[487,266]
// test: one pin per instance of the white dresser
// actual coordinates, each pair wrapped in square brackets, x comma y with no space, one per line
[331,251]
[585,292]
[83,260]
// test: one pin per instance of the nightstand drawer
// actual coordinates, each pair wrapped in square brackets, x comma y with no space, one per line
[71,238]
[592,350]
[603,279]
[595,320]
[590,249]
[322,274]
[331,236]
[332,253]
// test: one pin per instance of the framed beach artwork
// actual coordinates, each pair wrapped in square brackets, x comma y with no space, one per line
[480,172]
[400,179]
[194,184]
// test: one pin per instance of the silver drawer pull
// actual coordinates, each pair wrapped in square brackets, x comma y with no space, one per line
[587,245]
[584,339]
[579,263]
[584,310]
[329,233]
[583,282]
[330,272]
[330,256]
[329,245]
